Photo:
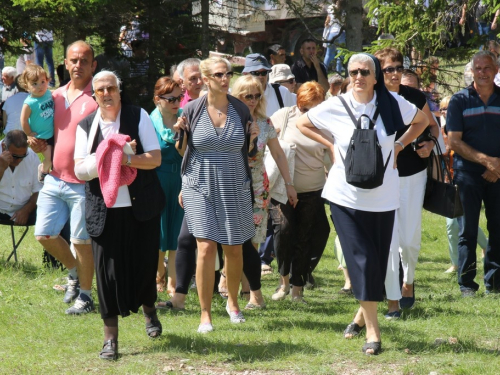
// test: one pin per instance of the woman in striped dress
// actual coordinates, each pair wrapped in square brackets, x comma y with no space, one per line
[217,185]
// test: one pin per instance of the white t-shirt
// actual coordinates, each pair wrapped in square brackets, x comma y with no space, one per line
[147,136]
[13,107]
[17,186]
[332,116]
[272,104]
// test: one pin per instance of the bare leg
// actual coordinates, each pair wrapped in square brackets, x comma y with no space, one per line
[347,282]
[160,273]
[234,270]
[256,297]
[407,290]
[359,320]
[223,282]
[84,265]
[59,249]
[110,328]
[392,305]
[205,276]
[171,272]
[369,310]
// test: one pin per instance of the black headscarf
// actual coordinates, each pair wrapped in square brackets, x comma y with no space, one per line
[387,105]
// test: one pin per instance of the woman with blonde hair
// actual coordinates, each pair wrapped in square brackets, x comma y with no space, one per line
[216,185]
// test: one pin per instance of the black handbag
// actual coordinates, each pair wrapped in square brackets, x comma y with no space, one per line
[441,197]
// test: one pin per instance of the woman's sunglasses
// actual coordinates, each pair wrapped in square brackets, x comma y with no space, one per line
[252,97]
[220,75]
[172,99]
[262,74]
[110,89]
[363,72]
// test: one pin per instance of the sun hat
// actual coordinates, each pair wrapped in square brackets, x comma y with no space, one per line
[280,72]
[254,62]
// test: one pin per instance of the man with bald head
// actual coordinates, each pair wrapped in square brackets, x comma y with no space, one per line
[473,124]
[63,195]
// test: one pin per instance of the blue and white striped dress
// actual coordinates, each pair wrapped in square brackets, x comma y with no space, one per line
[215,186]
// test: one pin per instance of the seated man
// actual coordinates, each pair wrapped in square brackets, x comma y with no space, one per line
[19,184]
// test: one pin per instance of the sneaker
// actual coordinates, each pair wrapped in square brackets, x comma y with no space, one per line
[236,317]
[395,315]
[205,328]
[72,290]
[281,293]
[452,269]
[468,292]
[83,305]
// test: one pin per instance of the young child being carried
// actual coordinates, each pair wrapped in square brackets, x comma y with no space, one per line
[37,115]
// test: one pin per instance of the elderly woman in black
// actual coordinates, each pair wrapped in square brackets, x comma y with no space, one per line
[123,221]
[364,218]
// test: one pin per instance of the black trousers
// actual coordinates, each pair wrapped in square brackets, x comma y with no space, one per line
[365,238]
[300,233]
[185,261]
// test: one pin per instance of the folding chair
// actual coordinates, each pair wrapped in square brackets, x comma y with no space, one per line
[15,244]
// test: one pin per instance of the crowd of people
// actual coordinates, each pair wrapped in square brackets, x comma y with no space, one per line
[225,175]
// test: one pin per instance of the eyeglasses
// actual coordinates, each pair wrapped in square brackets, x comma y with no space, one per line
[253,97]
[19,156]
[392,69]
[363,72]
[262,74]
[220,75]
[110,89]
[291,81]
[172,99]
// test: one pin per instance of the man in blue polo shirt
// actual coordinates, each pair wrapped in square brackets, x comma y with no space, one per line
[473,123]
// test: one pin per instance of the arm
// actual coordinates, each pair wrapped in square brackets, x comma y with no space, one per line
[427,147]
[494,23]
[21,216]
[181,123]
[25,115]
[309,130]
[280,159]
[5,160]
[419,123]
[148,160]
[492,164]
[322,79]
[464,11]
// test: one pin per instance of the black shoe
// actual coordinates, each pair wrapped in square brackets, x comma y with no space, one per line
[407,302]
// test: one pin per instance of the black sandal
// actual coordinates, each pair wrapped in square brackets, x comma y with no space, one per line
[352,329]
[376,346]
[109,350]
[153,327]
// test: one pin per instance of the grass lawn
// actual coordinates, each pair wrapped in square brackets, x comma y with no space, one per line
[443,334]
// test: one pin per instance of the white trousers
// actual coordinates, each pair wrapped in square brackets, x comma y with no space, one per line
[409,228]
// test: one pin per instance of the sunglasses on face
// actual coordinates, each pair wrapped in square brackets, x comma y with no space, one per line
[262,74]
[291,81]
[253,97]
[392,69]
[363,72]
[19,156]
[110,89]
[228,75]
[172,99]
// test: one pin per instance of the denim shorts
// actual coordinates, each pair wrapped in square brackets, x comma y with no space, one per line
[57,202]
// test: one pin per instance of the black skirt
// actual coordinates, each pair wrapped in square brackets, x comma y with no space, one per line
[365,238]
[126,261]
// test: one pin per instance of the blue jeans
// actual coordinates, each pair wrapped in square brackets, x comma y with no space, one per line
[474,190]
[44,49]
[331,52]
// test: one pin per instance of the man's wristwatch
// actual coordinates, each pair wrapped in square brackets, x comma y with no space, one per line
[129,160]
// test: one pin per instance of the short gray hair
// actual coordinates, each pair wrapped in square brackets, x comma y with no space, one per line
[10,71]
[484,53]
[173,68]
[362,58]
[335,78]
[187,63]
[106,73]
[17,138]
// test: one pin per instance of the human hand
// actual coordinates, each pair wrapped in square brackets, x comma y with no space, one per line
[494,25]
[20,217]
[5,160]
[133,145]
[425,149]
[493,165]
[314,59]
[462,21]
[37,145]
[181,124]
[490,176]
[292,195]
[181,203]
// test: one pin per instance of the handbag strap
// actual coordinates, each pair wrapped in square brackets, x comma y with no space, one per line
[285,123]
[443,167]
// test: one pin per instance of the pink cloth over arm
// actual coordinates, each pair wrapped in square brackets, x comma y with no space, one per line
[111,173]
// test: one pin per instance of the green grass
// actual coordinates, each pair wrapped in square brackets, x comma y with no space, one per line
[37,338]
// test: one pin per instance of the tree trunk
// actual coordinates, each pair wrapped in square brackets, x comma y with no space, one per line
[354,25]
[205,30]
